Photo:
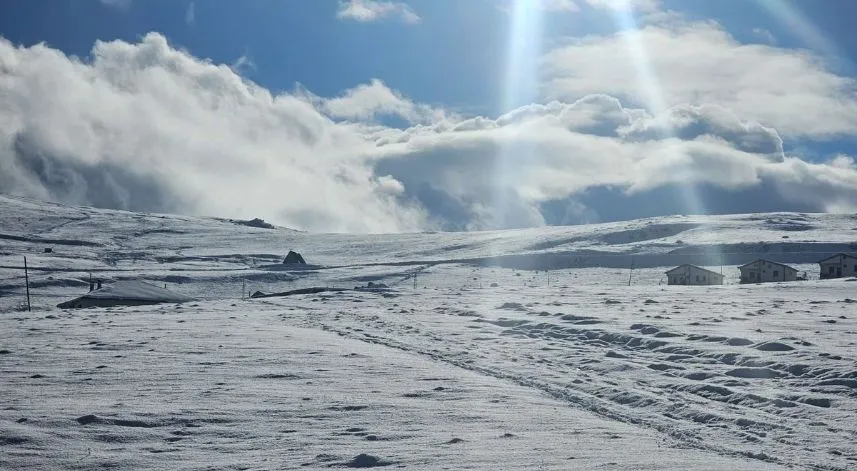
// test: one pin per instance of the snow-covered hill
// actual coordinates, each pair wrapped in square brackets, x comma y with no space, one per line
[472,359]
[211,256]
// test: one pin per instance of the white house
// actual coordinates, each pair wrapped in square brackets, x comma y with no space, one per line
[693,275]
[838,266]
[766,271]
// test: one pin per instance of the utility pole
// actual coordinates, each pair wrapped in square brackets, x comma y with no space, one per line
[415,280]
[631,273]
[27,283]
[243,288]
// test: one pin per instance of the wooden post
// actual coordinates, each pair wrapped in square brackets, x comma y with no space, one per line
[27,283]
[631,273]
[243,288]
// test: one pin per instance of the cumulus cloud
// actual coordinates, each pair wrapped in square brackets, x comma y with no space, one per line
[376,10]
[497,173]
[678,63]
[145,126]
[374,100]
[688,122]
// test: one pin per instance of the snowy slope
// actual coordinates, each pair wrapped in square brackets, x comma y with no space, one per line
[177,249]
[478,363]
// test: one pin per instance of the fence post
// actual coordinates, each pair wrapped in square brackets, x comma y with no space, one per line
[27,283]
[631,273]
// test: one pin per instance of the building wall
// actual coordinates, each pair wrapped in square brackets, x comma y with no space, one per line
[689,275]
[840,266]
[762,271]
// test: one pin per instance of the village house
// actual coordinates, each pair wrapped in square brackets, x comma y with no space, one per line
[766,271]
[838,266]
[693,275]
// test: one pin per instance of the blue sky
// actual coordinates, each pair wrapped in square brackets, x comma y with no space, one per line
[304,41]
[471,114]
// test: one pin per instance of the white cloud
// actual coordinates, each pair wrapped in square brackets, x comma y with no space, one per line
[243,64]
[373,100]
[845,162]
[682,63]
[190,14]
[543,152]
[765,35]
[574,5]
[146,126]
[376,10]
[558,5]
[689,122]
[626,5]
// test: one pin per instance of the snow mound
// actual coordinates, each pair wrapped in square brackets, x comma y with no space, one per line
[137,291]
[127,292]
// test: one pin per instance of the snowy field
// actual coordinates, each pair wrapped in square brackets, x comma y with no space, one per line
[511,350]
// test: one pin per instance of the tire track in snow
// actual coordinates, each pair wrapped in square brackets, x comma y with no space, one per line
[590,402]
[410,335]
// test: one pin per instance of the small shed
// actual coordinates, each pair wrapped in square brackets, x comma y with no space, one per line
[125,293]
[838,266]
[293,258]
[693,275]
[766,271]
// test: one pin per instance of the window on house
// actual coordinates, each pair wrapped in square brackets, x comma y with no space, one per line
[776,273]
[830,270]
[697,277]
[703,277]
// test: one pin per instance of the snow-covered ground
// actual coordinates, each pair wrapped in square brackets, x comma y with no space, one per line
[511,350]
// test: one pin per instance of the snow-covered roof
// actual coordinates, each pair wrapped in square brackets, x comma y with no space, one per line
[693,266]
[838,256]
[133,290]
[767,261]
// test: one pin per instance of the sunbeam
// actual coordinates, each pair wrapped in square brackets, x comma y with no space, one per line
[792,18]
[649,85]
[650,88]
[520,87]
